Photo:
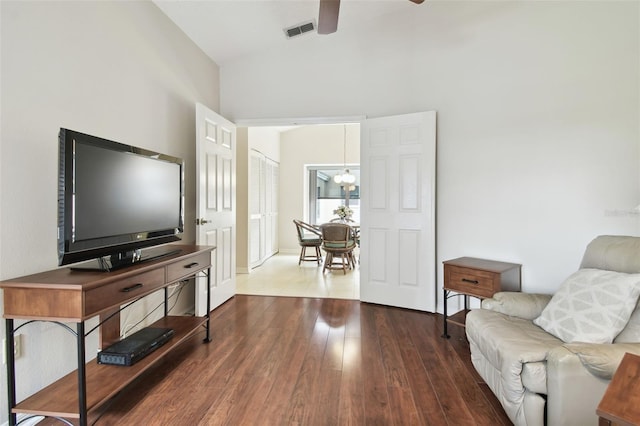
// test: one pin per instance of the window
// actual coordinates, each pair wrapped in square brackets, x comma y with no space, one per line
[325,195]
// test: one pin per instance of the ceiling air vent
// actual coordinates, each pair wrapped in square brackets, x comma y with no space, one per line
[300,29]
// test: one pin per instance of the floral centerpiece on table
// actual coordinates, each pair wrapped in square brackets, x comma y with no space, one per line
[343,212]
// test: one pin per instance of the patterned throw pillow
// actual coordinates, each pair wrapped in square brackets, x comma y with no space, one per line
[591,306]
[631,332]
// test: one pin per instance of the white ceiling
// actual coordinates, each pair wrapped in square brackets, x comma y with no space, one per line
[228,30]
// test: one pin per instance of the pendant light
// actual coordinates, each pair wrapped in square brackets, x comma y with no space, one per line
[345,177]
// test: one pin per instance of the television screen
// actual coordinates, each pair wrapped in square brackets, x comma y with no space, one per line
[115,198]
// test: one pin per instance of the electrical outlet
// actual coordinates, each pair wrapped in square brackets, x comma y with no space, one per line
[17,346]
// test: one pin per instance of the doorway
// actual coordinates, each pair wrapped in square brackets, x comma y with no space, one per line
[294,150]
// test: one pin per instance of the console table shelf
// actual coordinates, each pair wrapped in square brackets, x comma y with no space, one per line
[74,296]
[104,381]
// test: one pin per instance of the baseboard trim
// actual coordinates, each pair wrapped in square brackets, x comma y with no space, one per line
[289,251]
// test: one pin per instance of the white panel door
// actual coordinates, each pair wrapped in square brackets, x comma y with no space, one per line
[216,204]
[257,209]
[263,208]
[398,172]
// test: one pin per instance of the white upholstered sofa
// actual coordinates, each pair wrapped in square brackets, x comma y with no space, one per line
[554,377]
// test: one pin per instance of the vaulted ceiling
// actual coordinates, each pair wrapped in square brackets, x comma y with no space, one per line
[228,30]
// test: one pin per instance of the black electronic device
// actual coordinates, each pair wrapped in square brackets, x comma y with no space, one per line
[115,199]
[133,348]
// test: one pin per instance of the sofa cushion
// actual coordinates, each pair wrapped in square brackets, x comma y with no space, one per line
[508,342]
[592,305]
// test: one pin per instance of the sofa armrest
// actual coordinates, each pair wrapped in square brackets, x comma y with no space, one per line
[602,360]
[516,304]
[573,393]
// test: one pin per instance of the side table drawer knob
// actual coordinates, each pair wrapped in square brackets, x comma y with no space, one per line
[466,280]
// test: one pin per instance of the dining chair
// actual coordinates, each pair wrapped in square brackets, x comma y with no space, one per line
[308,236]
[338,243]
[355,228]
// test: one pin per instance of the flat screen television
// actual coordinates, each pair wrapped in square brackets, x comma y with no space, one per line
[115,199]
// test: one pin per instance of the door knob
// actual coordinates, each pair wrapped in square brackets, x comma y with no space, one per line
[202,221]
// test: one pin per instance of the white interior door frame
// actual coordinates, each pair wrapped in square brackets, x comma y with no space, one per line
[298,121]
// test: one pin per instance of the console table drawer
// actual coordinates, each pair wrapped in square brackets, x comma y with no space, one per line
[104,297]
[473,282]
[186,267]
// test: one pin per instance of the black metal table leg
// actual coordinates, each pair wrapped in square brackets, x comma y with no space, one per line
[445,294]
[82,375]
[11,371]
[208,337]
[166,301]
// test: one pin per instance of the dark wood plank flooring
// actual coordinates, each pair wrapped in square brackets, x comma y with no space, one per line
[296,361]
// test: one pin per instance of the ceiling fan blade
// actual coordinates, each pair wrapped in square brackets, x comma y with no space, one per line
[328,17]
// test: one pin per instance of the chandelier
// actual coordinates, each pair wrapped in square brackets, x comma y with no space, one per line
[344,177]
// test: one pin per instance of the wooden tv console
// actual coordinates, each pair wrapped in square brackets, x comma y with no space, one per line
[65,295]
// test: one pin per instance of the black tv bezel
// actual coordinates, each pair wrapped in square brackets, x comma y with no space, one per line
[120,248]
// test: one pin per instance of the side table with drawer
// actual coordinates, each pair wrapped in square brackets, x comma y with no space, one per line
[473,277]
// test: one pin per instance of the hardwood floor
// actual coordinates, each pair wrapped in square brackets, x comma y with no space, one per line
[303,361]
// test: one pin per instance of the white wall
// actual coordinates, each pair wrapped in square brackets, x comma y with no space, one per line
[119,70]
[242,200]
[538,118]
[308,145]
[266,140]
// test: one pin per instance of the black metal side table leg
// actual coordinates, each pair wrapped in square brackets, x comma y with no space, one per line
[445,297]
